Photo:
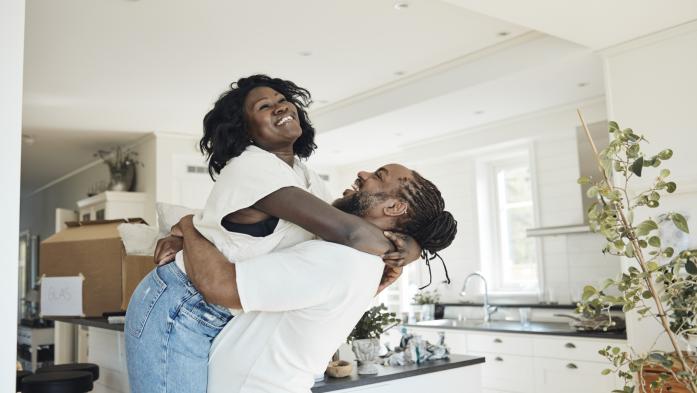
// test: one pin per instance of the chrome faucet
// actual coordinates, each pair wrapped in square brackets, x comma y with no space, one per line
[488,309]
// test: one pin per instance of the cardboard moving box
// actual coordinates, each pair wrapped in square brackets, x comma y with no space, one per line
[94,251]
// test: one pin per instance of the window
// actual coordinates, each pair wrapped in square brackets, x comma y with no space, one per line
[506,209]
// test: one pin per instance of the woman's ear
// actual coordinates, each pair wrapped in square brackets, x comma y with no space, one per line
[396,208]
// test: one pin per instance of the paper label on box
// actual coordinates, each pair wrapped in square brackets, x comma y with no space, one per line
[61,296]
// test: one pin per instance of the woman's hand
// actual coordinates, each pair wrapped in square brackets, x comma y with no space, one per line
[407,250]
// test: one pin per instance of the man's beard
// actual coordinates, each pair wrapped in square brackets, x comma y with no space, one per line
[359,203]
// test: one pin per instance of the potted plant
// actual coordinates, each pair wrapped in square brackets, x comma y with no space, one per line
[365,337]
[661,283]
[427,300]
[122,168]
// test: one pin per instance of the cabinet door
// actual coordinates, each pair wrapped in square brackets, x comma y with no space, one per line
[508,373]
[557,375]
[456,342]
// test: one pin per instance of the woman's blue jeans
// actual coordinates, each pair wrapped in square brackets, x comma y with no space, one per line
[169,332]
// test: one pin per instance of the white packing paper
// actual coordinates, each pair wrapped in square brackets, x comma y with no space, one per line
[61,296]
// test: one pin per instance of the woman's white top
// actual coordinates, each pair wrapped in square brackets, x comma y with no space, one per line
[245,180]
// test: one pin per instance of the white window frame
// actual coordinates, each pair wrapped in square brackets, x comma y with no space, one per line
[489,218]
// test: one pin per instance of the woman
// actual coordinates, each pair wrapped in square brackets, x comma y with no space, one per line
[254,138]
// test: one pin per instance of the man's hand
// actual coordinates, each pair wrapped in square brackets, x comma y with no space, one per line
[167,248]
[389,275]
[407,250]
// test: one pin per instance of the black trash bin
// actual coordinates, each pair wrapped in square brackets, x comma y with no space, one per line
[58,382]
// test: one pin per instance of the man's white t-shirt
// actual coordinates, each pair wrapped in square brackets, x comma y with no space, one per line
[245,180]
[300,304]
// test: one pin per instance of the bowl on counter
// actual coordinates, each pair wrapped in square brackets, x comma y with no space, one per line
[339,369]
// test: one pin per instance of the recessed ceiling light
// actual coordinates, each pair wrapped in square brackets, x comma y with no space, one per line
[398,133]
[479,112]
[305,53]
[582,84]
[399,73]
[401,5]
[503,33]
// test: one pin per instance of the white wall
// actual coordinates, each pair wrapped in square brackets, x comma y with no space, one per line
[652,87]
[38,209]
[174,185]
[569,261]
[11,53]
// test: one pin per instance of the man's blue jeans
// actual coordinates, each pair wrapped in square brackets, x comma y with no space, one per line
[169,332]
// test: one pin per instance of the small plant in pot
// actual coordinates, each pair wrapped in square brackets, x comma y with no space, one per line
[427,300]
[365,337]
[122,167]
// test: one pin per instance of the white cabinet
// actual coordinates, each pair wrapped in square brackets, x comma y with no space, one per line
[570,376]
[529,363]
[111,205]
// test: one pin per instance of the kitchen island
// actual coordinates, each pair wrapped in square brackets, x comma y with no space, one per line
[460,373]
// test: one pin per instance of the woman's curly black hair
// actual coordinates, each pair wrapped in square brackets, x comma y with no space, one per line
[225,132]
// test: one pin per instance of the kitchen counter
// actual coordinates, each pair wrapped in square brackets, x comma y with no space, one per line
[546,328]
[386,374]
[98,322]
[445,375]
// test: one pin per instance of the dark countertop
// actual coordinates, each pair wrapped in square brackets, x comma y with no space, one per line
[391,373]
[99,322]
[564,306]
[332,384]
[545,328]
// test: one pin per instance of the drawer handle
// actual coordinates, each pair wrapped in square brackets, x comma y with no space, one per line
[498,359]
[498,341]
[571,366]
[570,345]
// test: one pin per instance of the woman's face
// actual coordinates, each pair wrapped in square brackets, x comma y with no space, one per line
[272,120]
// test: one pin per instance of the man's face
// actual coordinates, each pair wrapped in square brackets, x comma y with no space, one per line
[371,192]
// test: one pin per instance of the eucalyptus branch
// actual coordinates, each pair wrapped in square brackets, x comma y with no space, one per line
[613,222]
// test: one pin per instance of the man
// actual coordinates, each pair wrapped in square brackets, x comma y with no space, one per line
[302,302]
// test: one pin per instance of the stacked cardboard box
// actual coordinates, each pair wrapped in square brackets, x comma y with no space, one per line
[94,250]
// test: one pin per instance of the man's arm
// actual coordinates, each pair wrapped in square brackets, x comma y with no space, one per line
[208,269]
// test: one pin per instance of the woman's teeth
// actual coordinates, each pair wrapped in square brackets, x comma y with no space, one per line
[284,120]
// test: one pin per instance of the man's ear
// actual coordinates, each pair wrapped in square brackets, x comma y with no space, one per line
[395,207]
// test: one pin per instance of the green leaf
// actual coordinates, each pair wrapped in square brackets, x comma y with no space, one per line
[592,192]
[629,252]
[646,227]
[665,154]
[584,180]
[606,371]
[671,187]
[680,222]
[665,172]
[652,266]
[637,165]
[588,291]
[655,241]
[691,267]
[668,252]
[613,126]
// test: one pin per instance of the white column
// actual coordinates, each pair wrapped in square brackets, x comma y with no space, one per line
[652,88]
[11,60]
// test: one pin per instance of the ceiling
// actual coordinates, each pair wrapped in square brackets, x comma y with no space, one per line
[103,72]
[596,24]
[100,73]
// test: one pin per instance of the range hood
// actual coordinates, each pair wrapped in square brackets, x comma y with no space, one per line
[588,166]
